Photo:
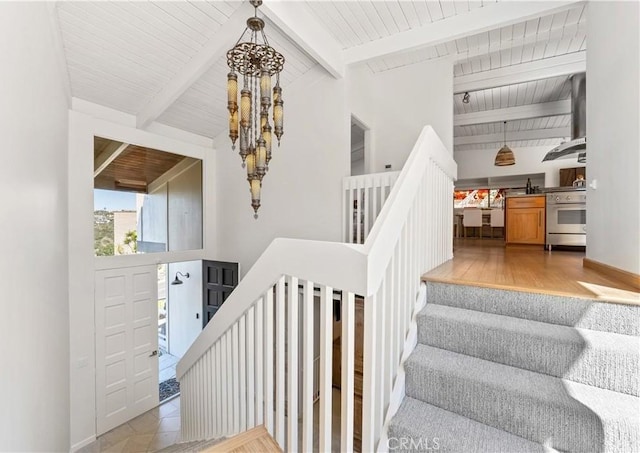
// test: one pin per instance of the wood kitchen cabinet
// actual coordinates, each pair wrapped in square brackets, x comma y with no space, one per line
[568,175]
[525,220]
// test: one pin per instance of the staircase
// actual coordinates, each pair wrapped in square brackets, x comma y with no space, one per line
[237,373]
[508,371]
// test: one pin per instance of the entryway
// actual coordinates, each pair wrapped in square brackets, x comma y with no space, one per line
[179,319]
[168,386]
[359,149]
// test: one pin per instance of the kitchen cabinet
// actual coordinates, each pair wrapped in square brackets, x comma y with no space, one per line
[568,175]
[525,220]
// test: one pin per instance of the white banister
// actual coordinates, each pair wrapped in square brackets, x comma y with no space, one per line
[255,361]
[363,198]
[280,364]
[347,370]
[268,368]
[292,364]
[309,371]
[326,352]
[251,366]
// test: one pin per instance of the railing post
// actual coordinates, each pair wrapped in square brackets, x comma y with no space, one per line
[307,367]
[347,371]
[292,365]
[280,365]
[369,375]
[268,362]
[326,346]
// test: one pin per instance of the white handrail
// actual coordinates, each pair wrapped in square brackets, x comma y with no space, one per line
[223,393]
[385,232]
[330,263]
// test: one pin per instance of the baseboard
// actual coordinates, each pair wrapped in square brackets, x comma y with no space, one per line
[82,443]
[626,277]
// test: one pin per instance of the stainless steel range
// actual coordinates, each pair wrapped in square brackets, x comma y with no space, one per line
[567,218]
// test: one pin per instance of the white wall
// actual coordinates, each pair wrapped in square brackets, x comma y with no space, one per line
[34,321]
[613,131]
[185,302]
[479,164]
[407,99]
[361,86]
[301,193]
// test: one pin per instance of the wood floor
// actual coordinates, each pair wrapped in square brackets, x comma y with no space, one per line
[256,440]
[486,262]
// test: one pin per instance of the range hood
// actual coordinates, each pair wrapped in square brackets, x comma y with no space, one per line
[578,142]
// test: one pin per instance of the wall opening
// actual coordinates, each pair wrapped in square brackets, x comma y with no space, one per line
[358,147]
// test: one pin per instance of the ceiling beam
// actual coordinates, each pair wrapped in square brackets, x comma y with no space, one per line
[561,65]
[113,150]
[514,113]
[296,21]
[533,134]
[223,40]
[476,21]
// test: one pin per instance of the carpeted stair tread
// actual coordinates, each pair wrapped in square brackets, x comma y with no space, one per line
[559,413]
[434,429]
[566,311]
[602,359]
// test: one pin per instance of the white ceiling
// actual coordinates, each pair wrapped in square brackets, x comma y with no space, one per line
[165,61]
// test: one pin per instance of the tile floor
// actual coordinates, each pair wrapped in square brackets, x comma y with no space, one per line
[149,432]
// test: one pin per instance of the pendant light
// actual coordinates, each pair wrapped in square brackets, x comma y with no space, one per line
[505,155]
[257,62]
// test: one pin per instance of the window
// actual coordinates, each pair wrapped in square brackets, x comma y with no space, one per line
[145,200]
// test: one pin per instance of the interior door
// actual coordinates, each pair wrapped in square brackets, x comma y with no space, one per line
[219,278]
[126,344]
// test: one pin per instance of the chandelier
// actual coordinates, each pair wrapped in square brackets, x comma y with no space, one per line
[257,62]
[505,155]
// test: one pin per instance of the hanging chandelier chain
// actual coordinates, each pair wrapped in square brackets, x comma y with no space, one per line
[254,58]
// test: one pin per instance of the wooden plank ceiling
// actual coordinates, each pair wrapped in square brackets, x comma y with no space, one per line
[124,55]
[134,168]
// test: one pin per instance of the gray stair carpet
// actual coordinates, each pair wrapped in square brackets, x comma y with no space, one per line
[566,311]
[441,430]
[509,371]
[601,359]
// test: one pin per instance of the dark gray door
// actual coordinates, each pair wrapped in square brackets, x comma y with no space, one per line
[218,279]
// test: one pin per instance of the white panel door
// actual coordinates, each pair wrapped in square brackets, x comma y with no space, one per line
[126,344]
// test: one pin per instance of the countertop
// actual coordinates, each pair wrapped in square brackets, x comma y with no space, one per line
[546,190]
[518,195]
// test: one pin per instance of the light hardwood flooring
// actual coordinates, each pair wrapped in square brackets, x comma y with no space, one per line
[255,440]
[488,263]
